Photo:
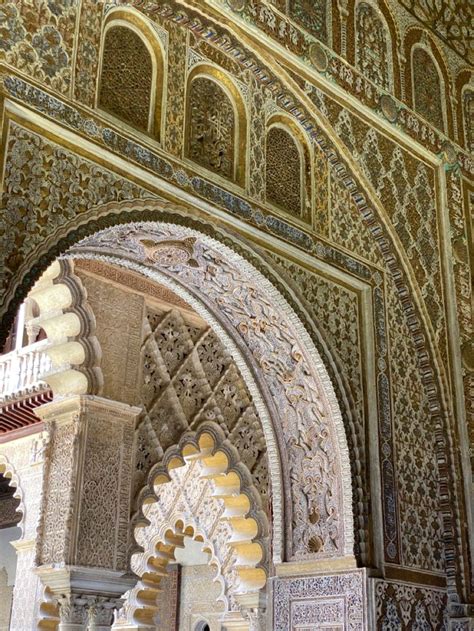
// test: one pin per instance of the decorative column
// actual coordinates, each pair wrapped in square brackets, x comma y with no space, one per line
[83,544]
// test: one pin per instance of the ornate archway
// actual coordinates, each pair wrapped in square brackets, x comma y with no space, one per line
[200,489]
[308,457]
[279,359]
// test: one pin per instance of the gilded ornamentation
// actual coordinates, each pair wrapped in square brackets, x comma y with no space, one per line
[400,607]
[416,467]
[36,37]
[256,181]
[372,45]
[174,132]
[318,57]
[47,190]
[72,185]
[449,19]
[427,93]
[313,16]
[126,77]
[468,110]
[87,59]
[284,171]
[211,127]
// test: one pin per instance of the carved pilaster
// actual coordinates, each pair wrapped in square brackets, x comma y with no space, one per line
[83,538]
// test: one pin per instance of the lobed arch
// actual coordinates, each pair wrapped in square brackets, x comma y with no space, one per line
[306,157]
[8,471]
[69,325]
[222,509]
[228,87]
[136,22]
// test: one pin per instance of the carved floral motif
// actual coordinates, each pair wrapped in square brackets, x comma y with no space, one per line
[211,127]
[305,411]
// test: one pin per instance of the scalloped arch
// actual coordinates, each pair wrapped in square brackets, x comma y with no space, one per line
[199,489]
[8,471]
[69,324]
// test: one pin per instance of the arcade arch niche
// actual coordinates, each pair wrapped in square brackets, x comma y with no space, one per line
[277,358]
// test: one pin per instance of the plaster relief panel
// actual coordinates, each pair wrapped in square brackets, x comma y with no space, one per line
[119,318]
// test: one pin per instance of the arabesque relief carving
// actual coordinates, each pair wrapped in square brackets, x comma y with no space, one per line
[305,411]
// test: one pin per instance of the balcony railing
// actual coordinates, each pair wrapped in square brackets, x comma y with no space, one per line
[22,369]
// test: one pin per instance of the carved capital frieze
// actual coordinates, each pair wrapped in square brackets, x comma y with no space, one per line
[85,598]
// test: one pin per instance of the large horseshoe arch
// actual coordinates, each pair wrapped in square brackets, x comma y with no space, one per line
[280,360]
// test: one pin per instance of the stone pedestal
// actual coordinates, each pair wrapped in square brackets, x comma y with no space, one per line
[84,537]
[336,599]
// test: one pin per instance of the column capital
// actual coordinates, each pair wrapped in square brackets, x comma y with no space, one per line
[86,597]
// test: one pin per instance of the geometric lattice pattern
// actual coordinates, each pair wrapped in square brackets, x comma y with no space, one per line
[125,86]
[211,127]
[189,378]
[417,475]
[283,171]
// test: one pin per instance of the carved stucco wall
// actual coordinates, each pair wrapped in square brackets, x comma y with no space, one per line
[302,399]
[75,184]
[198,600]
[174,366]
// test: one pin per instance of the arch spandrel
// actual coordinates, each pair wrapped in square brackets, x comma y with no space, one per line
[280,360]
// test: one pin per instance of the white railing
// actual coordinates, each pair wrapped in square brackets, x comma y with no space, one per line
[23,368]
